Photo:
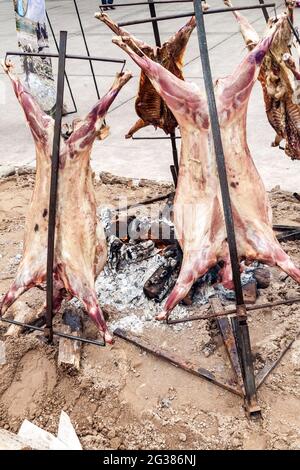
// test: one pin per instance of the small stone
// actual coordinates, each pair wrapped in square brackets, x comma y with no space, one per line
[165,403]
[111,434]
[116,442]
[263,277]
[7,170]
[182,437]
[291,294]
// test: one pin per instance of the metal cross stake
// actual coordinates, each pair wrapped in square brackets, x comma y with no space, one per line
[54,182]
[239,328]
[175,167]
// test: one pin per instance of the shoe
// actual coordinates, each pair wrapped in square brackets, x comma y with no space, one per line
[104,8]
[112,8]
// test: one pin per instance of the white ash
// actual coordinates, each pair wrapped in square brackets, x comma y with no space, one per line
[130,265]
[129,323]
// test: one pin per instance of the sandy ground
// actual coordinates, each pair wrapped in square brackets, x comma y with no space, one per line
[124,398]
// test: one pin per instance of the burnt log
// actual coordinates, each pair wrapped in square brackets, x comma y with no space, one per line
[262,277]
[165,276]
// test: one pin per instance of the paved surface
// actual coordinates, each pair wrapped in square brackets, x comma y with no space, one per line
[150,159]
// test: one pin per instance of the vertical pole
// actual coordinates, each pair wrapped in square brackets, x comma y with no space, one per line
[87,48]
[265,11]
[66,76]
[175,167]
[54,182]
[154,23]
[240,323]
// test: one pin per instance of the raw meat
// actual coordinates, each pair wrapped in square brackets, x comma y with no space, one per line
[198,211]
[80,246]
[277,80]
[149,106]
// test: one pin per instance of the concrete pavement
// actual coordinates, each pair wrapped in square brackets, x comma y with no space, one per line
[150,159]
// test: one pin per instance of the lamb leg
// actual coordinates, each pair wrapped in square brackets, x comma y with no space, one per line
[122,32]
[178,95]
[140,124]
[176,45]
[87,129]
[39,122]
[249,34]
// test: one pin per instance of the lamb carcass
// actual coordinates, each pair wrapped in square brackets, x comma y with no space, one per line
[277,80]
[149,106]
[80,246]
[198,211]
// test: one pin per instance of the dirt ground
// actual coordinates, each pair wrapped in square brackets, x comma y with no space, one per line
[124,398]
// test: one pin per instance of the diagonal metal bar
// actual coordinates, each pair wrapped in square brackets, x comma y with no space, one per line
[270,366]
[175,361]
[54,183]
[86,48]
[226,330]
[66,76]
[232,311]
[55,333]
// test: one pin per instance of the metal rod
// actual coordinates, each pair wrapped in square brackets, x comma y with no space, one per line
[191,13]
[68,56]
[154,23]
[87,49]
[249,309]
[154,2]
[214,119]
[174,168]
[55,333]
[154,138]
[54,182]
[269,367]
[294,31]
[175,361]
[66,76]
[175,153]
[174,175]
[286,227]
[264,10]
[145,202]
[293,235]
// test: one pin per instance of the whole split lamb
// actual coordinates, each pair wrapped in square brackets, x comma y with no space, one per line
[278,77]
[198,210]
[149,106]
[80,245]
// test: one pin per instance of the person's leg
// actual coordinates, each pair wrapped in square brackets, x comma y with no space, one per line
[104,3]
